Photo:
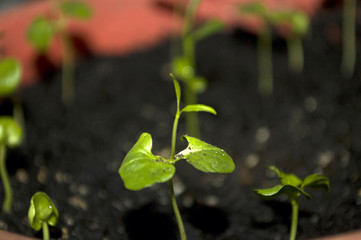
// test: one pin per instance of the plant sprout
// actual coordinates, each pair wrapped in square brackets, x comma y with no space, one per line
[42,213]
[141,169]
[10,76]
[348,38]
[184,64]
[298,22]
[42,30]
[10,136]
[292,186]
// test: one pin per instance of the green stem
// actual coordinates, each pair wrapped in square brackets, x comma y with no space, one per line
[5,179]
[174,134]
[295,53]
[68,69]
[294,220]
[46,235]
[265,80]
[348,38]
[18,113]
[191,117]
[176,211]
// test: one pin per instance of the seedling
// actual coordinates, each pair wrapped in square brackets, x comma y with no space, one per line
[10,76]
[42,213]
[10,136]
[141,169]
[42,31]
[348,38]
[264,45]
[292,186]
[298,22]
[184,64]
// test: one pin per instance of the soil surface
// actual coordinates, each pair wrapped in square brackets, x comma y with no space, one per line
[310,124]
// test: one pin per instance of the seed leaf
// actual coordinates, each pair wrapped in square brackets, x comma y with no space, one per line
[10,75]
[42,210]
[10,132]
[40,33]
[141,169]
[316,181]
[199,108]
[277,190]
[207,29]
[205,157]
[177,90]
[76,9]
[287,179]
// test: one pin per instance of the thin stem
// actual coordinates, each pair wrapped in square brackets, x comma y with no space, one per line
[265,79]
[46,235]
[294,219]
[174,134]
[191,117]
[348,38]
[176,211]
[5,180]
[295,53]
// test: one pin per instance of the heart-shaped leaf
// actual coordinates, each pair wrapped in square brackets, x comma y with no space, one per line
[76,9]
[277,190]
[10,75]
[42,210]
[316,181]
[141,169]
[40,33]
[205,157]
[287,179]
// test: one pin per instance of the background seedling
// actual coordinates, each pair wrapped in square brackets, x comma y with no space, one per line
[292,186]
[298,23]
[348,38]
[141,169]
[10,77]
[42,31]
[184,64]
[42,213]
[10,136]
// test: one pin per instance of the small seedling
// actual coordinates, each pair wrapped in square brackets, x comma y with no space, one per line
[42,31]
[292,186]
[184,64]
[42,213]
[298,23]
[10,136]
[141,169]
[348,38]
[10,77]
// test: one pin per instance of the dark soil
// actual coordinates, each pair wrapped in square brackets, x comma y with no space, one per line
[312,123]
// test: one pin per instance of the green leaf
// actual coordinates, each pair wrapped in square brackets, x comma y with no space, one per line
[287,179]
[141,169]
[207,29]
[316,181]
[289,190]
[10,75]
[40,33]
[42,210]
[197,84]
[205,157]
[300,22]
[10,132]
[76,9]
[199,108]
[254,8]
[182,68]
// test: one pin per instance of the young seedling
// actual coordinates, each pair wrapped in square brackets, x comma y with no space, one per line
[10,76]
[184,64]
[141,169]
[42,213]
[298,23]
[293,187]
[10,136]
[348,38]
[264,45]
[42,31]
